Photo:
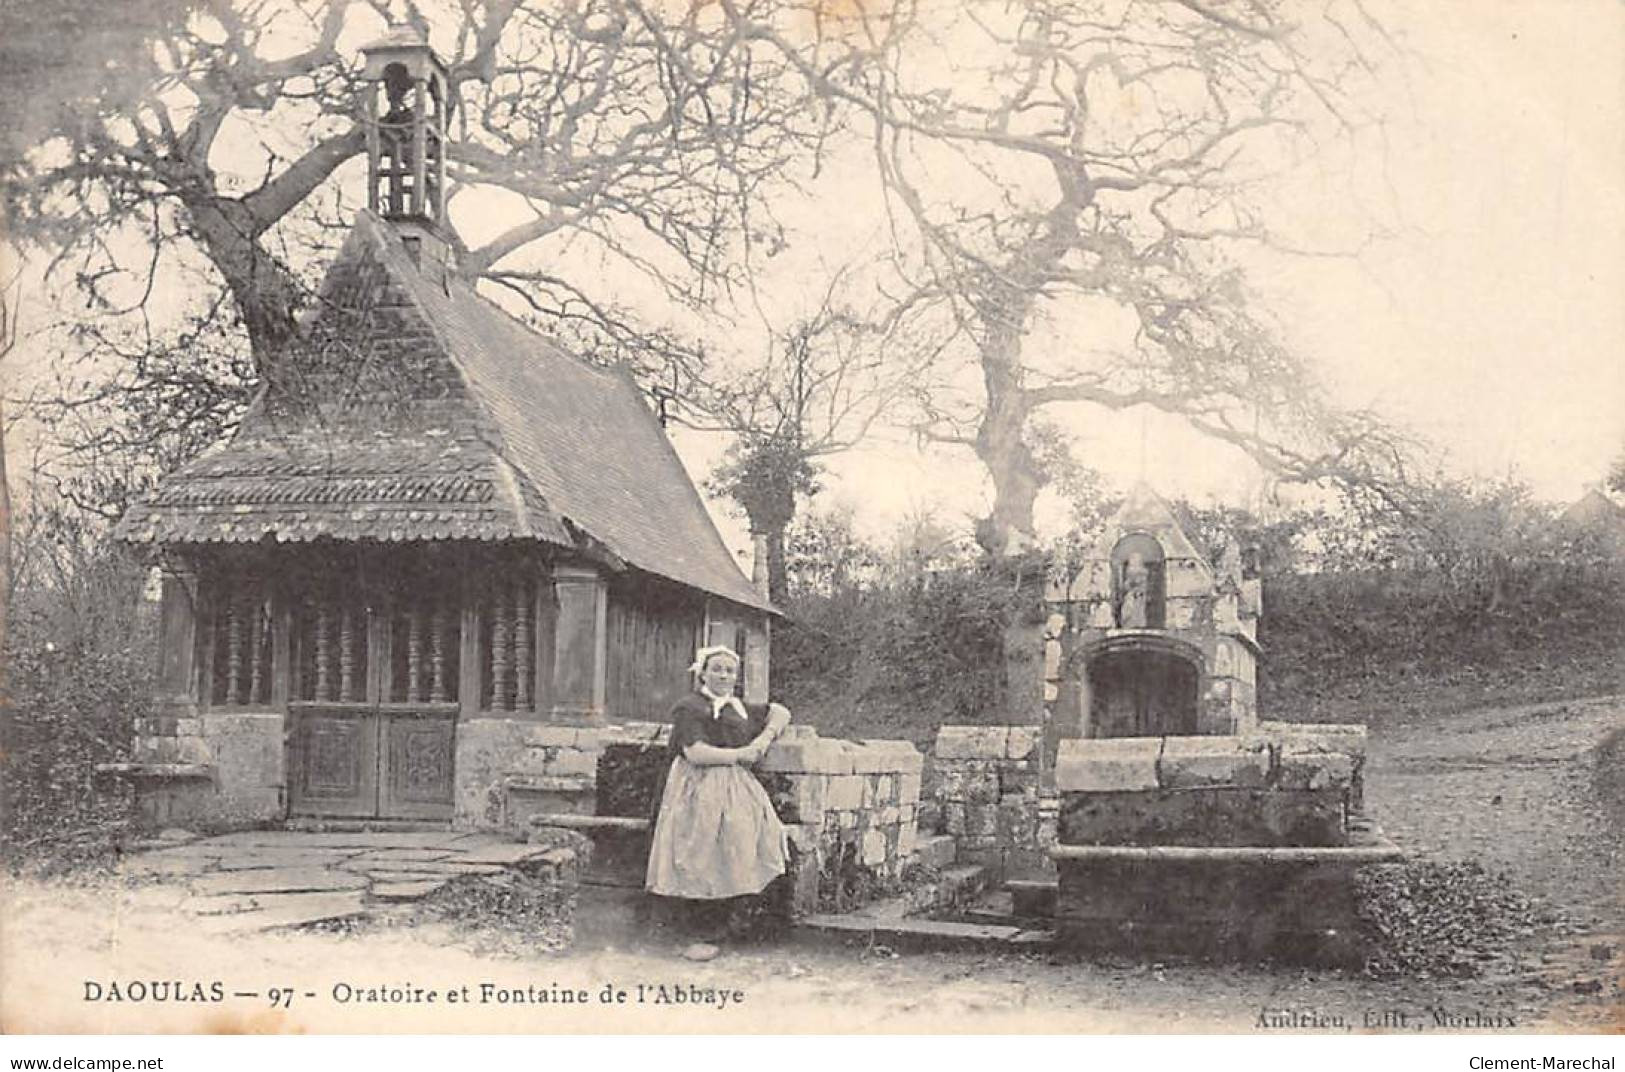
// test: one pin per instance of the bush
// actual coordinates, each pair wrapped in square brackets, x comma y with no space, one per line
[879,644]
[1545,611]
[1431,920]
[1476,587]
[70,710]
[79,657]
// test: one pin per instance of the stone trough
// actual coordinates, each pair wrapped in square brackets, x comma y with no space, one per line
[1234,848]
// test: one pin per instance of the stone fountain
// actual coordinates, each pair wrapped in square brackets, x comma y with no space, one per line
[1186,825]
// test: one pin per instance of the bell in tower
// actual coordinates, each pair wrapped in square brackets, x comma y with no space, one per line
[407,115]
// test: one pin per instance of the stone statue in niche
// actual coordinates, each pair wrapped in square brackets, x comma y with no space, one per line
[1135,593]
[1139,590]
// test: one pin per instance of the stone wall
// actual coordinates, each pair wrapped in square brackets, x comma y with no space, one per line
[1288,786]
[215,770]
[509,770]
[985,781]
[987,794]
[850,808]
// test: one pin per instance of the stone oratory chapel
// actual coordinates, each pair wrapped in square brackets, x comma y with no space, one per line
[433,530]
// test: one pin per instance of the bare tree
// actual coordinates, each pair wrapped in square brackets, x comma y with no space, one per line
[1098,162]
[819,390]
[638,134]
[1089,168]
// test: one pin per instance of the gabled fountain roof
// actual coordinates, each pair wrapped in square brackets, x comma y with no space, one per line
[1146,511]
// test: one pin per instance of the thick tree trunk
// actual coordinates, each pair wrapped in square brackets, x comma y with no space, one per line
[768,535]
[778,584]
[266,293]
[768,495]
[1007,533]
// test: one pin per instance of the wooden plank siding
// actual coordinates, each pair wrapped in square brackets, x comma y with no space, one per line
[653,629]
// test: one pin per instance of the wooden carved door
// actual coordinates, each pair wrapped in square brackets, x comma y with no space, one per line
[374,702]
[415,758]
[334,762]
[372,763]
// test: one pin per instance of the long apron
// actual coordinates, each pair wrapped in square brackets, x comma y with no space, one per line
[716,834]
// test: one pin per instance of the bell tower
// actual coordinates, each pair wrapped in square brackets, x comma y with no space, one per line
[408,110]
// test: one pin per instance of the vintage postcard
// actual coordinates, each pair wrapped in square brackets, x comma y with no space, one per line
[785,516]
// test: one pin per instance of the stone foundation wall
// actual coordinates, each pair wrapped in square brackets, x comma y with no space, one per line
[1245,909]
[210,770]
[509,770]
[985,781]
[173,737]
[1238,848]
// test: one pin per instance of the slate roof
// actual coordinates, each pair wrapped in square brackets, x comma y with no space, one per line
[415,409]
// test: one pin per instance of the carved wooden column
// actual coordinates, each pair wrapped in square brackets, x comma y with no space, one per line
[579,642]
[438,690]
[469,665]
[414,653]
[282,668]
[523,651]
[324,654]
[501,651]
[256,646]
[235,604]
[347,652]
[378,631]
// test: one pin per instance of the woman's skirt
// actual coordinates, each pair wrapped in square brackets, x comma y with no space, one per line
[716,834]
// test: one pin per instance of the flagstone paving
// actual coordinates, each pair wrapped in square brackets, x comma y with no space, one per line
[266,879]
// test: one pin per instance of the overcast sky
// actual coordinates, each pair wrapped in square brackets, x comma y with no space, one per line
[1492,322]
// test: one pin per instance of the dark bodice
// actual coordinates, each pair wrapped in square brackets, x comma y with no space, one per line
[692,721]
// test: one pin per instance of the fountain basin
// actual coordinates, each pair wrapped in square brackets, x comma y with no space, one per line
[1237,848]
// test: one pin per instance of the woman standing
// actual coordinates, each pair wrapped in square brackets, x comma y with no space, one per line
[716,835]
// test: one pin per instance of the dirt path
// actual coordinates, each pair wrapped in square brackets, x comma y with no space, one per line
[1514,788]
[1433,787]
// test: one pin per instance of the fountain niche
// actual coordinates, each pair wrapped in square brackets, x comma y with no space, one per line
[1185,825]
[1141,691]
[1150,640]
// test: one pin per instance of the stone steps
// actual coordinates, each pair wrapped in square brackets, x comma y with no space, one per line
[368,826]
[1033,897]
[913,935]
[937,850]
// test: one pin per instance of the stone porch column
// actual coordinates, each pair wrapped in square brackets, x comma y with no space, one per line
[580,643]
